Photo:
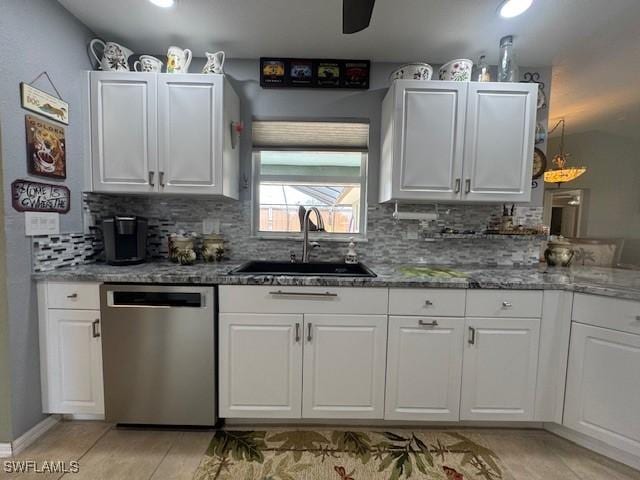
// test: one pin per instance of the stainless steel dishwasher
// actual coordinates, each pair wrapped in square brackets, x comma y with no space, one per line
[158,348]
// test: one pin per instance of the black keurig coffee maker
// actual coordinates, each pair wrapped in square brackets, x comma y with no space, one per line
[125,240]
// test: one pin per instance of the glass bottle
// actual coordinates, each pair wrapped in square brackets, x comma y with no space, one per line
[507,66]
[482,71]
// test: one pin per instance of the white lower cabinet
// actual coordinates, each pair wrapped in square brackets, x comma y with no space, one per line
[603,385]
[424,368]
[344,365]
[260,365]
[500,369]
[70,348]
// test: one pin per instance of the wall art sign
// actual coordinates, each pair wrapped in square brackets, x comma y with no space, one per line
[314,73]
[46,149]
[28,196]
[41,102]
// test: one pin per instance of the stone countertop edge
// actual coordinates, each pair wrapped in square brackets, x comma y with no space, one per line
[611,282]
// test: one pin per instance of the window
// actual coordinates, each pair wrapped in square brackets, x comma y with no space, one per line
[325,170]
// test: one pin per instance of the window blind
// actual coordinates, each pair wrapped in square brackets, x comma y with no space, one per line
[310,135]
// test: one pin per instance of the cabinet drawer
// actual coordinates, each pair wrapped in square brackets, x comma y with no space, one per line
[283,299]
[613,313]
[504,303]
[73,295]
[430,302]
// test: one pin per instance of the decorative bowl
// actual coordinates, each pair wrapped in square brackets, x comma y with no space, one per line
[412,71]
[458,70]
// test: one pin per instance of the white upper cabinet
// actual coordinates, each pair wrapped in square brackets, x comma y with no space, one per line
[123,131]
[457,141]
[498,156]
[164,133]
[425,133]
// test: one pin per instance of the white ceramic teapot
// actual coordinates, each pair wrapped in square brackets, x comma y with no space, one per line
[215,62]
[178,60]
[115,57]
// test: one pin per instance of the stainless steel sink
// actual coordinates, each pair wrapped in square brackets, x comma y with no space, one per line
[325,269]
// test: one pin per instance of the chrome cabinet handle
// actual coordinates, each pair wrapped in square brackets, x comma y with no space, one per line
[94,332]
[161,178]
[457,189]
[72,296]
[297,332]
[428,303]
[151,179]
[309,332]
[304,294]
[467,185]
[507,304]
[472,336]
[422,323]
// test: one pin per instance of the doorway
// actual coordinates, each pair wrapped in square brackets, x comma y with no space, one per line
[565,211]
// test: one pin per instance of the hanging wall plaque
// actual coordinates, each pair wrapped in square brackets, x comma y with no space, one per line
[41,102]
[46,147]
[28,196]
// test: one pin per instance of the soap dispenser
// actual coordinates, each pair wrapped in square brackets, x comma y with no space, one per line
[352,255]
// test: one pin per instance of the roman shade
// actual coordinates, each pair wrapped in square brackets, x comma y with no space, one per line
[310,135]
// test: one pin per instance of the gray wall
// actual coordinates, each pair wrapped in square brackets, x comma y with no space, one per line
[5,374]
[612,181]
[35,35]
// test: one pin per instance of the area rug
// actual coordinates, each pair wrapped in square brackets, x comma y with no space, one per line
[346,455]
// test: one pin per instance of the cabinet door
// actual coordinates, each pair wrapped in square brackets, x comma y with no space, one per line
[500,131]
[424,368]
[260,365]
[344,366]
[500,369]
[123,132]
[603,386]
[74,361]
[190,133]
[428,154]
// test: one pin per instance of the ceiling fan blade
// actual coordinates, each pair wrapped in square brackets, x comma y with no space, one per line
[356,15]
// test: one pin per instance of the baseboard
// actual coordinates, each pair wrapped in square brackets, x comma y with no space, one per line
[364,423]
[594,445]
[5,449]
[83,416]
[30,436]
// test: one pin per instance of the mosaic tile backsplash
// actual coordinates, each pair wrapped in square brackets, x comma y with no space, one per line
[64,250]
[387,238]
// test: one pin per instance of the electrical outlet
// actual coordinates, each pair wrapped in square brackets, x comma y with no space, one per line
[41,223]
[412,232]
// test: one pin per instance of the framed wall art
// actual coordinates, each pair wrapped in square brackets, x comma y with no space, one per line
[46,149]
[44,104]
[29,196]
[314,73]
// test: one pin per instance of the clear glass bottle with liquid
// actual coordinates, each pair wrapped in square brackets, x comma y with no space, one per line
[507,65]
[482,73]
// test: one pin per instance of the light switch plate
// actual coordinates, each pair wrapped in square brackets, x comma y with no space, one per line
[41,223]
[412,232]
[210,225]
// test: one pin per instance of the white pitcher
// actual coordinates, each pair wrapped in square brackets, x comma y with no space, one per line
[115,57]
[215,62]
[147,63]
[178,60]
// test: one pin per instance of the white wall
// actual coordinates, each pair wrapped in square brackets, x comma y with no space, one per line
[613,183]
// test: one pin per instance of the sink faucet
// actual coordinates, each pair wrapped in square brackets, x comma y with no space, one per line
[305,232]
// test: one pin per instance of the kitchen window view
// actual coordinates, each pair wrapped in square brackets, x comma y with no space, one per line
[326,171]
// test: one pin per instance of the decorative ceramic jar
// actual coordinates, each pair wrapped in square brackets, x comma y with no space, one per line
[182,250]
[458,70]
[559,252]
[412,71]
[213,248]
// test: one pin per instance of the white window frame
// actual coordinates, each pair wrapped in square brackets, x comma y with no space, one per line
[257,177]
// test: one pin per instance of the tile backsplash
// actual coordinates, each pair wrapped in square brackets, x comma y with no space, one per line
[387,239]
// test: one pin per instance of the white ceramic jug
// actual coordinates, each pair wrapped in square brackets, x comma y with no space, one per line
[215,62]
[115,57]
[178,60]
[148,63]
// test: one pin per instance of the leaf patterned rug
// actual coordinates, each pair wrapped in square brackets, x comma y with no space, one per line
[346,455]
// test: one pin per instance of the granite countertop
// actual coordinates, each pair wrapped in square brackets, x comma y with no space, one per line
[613,282]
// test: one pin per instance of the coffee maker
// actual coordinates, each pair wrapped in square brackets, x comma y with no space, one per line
[125,240]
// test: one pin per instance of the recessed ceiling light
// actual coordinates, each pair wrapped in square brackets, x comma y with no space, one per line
[163,3]
[513,8]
